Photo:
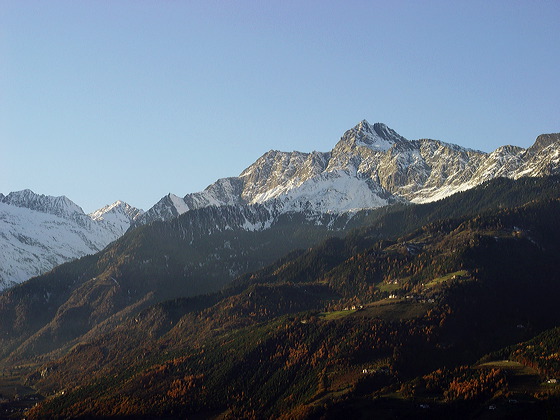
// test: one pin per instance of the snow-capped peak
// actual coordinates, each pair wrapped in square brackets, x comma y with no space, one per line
[377,137]
[118,207]
[116,217]
[58,206]
[38,232]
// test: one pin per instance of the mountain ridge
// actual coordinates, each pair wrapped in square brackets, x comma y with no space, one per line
[39,232]
[371,166]
[58,206]
[381,166]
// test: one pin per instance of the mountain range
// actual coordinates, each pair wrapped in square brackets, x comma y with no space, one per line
[388,277]
[39,232]
[426,310]
[370,167]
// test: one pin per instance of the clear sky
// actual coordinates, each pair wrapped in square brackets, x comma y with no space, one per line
[106,100]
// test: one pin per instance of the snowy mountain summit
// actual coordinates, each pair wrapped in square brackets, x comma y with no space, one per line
[116,217]
[377,136]
[58,206]
[39,232]
[370,166]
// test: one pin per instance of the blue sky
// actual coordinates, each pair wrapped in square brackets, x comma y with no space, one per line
[130,100]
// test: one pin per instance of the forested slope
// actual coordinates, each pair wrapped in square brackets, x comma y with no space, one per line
[358,325]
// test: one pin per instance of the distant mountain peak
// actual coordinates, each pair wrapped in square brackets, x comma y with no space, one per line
[38,232]
[378,137]
[118,207]
[58,206]
[363,125]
